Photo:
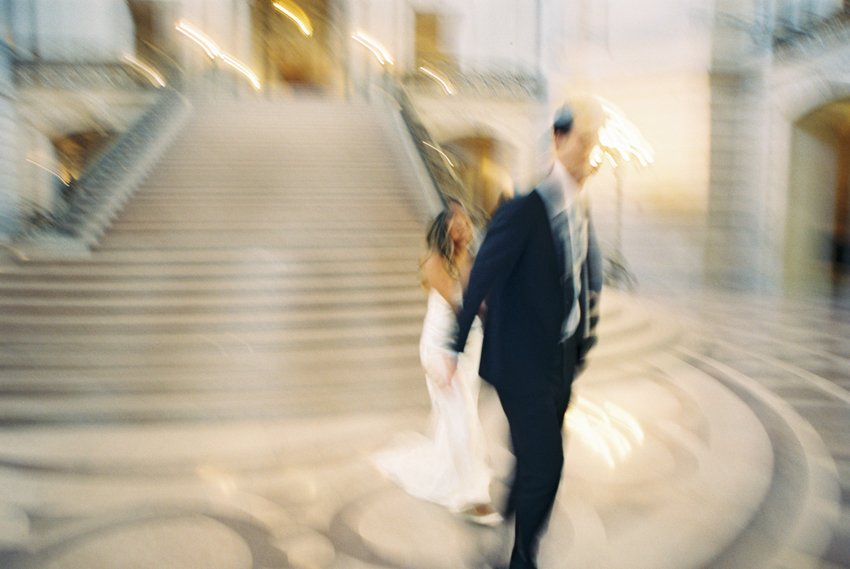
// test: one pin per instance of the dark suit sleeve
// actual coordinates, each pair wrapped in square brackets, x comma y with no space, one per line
[503,245]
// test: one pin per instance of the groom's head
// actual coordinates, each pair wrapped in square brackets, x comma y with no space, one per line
[575,130]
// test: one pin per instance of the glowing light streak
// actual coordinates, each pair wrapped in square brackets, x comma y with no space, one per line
[199,37]
[440,152]
[296,14]
[596,156]
[241,68]
[146,69]
[373,45]
[444,83]
[49,170]
[215,52]
[620,140]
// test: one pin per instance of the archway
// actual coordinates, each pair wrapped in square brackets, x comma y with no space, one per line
[480,163]
[305,53]
[817,236]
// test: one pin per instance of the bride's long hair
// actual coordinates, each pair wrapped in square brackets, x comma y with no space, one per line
[439,241]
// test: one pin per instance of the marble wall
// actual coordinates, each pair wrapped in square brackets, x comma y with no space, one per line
[8,145]
[73,30]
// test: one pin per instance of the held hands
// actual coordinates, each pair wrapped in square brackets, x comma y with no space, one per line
[449,367]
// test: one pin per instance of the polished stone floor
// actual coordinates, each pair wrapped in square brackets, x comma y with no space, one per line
[688,447]
[206,390]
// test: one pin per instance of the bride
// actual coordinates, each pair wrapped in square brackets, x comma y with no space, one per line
[448,467]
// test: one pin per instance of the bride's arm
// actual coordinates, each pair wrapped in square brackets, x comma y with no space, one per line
[437,277]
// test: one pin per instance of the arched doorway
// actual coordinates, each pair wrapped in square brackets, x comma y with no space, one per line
[302,51]
[817,235]
[481,165]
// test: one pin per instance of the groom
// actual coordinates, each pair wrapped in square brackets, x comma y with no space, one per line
[540,272]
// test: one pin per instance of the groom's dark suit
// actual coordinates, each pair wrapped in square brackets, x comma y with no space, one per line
[521,272]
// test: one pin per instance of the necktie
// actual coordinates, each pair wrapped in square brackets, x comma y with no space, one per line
[574,235]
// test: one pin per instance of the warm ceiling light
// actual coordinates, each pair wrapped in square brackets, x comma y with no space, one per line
[215,52]
[146,69]
[373,45]
[294,12]
[444,83]
[620,140]
[199,37]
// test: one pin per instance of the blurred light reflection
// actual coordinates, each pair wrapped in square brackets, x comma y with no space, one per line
[607,429]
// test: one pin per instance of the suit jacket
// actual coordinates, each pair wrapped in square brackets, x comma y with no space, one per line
[520,272]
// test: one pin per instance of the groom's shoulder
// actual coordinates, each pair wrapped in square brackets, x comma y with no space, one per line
[520,211]
[520,202]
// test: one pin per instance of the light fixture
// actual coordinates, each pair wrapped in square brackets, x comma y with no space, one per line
[443,82]
[151,73]
[215,52]
[294,12]
[378,50]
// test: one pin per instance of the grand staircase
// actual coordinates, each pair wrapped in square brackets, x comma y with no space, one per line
[206,388]
[266,266]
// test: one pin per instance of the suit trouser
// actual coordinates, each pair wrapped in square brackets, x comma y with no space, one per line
[536,418]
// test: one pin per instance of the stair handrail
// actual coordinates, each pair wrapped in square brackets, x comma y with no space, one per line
[113,174]
[441,170]
[491,78]
[814,38]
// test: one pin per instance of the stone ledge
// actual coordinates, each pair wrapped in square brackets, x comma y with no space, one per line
[46,248]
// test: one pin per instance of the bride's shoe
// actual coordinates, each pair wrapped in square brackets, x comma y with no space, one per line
[482,514]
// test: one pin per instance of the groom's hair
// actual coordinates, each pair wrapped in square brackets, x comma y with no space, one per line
[563,122]
[581,111]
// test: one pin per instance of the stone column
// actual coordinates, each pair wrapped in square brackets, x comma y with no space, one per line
[9,221]
[736,245]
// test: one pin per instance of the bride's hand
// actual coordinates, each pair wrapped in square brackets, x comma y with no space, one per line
[450,367]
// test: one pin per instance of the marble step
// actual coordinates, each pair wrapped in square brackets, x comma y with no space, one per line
[213,194]
[36,382]
[162,257]
[282,270]
[253,340]
[281,198]
[255,262]
[343,315]
[204,240]
[310,357]
[223,287]
[358,218]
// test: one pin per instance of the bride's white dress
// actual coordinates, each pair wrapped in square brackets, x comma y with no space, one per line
[449,465]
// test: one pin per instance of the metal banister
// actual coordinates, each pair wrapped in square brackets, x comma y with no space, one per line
[92,201]
[440,169]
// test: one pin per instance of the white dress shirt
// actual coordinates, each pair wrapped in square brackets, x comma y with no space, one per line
[563,197]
